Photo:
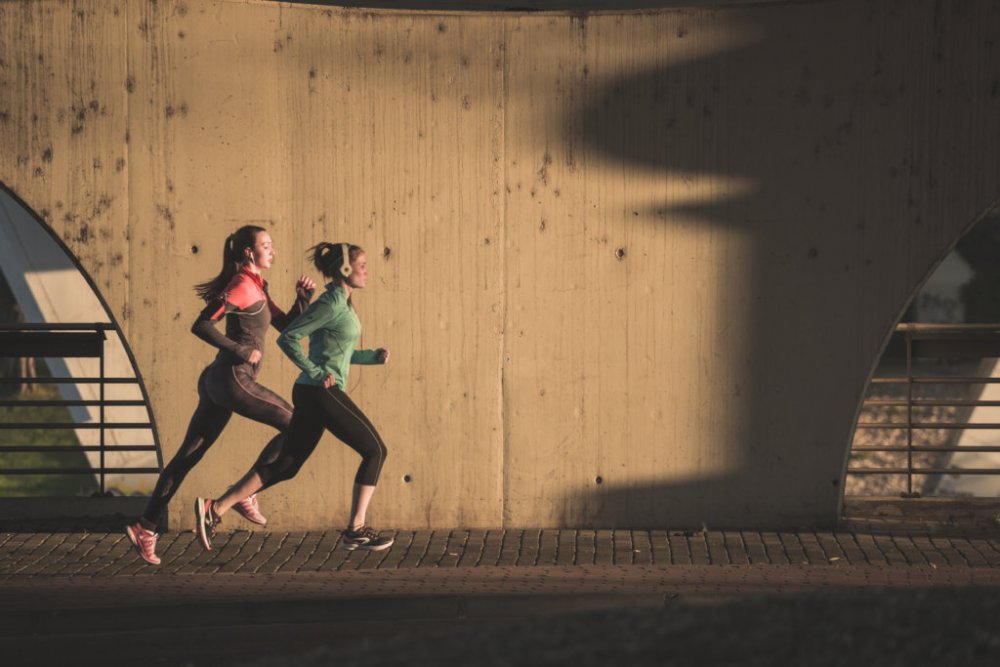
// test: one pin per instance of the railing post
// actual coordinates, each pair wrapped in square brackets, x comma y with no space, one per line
[909,413]
[101,410]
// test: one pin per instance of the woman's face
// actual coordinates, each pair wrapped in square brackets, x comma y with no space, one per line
[263,251]
[359,272]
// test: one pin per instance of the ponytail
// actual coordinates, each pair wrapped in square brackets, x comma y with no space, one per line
[232,261]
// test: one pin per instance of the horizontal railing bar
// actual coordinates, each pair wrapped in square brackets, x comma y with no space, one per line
[916,450]
[67,403]
[62,425]
[61,326]
[929,425]
[930,402]
[924,471]
[83,380]
[45,449]
[938,380]
[929,327]
[79,471]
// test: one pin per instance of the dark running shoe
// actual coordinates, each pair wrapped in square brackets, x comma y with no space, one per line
[205,521]
[364,538]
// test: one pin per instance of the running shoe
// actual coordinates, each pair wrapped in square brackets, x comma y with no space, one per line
[144,542]
[364,538]
[205,521]
[250,510]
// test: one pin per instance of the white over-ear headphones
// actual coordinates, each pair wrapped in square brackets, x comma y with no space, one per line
[345,267]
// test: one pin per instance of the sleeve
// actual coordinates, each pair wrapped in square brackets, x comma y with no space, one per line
[281,319]
[315,317]
[205,329]
[365,357]
[239,294]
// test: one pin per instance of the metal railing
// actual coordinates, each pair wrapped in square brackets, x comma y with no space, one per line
[69,341]
[951,341]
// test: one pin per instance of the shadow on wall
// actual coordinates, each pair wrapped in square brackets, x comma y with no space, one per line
[800,144]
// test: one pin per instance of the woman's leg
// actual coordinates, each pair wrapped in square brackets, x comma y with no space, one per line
[204,429]
[360,498]
[346,421]
[283,461]
[254,401]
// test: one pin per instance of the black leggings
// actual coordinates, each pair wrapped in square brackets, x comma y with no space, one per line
[317,408]
[222,390]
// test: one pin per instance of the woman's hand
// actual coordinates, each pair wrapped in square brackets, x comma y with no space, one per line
[304,287]
[255,356]
[329,381]
[383,355]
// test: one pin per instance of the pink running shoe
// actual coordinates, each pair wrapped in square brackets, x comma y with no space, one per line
[250,510]
[144,542]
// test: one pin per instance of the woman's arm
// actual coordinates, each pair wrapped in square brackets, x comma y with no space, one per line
[315,317]
[205,329]
[370,357]
[304,289]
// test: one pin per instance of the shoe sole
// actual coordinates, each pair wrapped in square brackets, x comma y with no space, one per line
[364,547]
[138,549]
[199,514]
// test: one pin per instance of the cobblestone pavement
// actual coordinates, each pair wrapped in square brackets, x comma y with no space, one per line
[109,554]
[65,591]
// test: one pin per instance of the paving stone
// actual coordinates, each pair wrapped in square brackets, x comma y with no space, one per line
[970,554]
[887,545]
[642,547]
[773,548]
[946,549]
[989,554]
[848,544]
[416,550]
[510,547]
[604,548]
[320,553]
[869,548]
[474,547]
[715,544]
[928,551]
[735,549]
[435,550]
[287,544]
[756,551]
[680,550]
[812,548]
[490,552]
[909,549]
[586,547]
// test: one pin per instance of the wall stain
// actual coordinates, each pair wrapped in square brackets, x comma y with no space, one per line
[166,214]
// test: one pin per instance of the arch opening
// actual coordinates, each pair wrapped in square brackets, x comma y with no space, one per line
[75,419]
[929,421]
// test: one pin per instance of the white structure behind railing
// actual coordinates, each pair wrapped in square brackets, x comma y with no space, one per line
[50,289]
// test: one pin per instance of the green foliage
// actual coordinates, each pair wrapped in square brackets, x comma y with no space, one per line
[42,485]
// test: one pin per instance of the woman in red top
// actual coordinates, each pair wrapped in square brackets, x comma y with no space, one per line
[229,383]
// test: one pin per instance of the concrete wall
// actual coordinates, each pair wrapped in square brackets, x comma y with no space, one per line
[634,269]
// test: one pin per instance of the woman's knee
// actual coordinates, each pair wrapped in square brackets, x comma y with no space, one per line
[281,469]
